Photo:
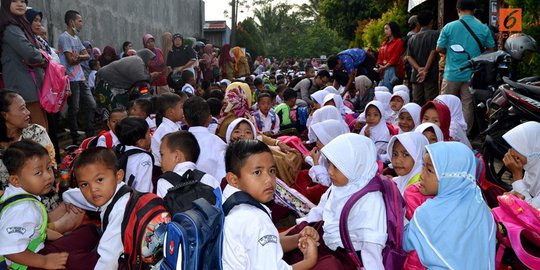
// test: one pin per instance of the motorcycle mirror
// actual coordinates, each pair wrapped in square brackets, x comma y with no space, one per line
[457,48]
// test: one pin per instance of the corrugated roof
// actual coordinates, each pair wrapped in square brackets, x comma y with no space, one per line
[215,25]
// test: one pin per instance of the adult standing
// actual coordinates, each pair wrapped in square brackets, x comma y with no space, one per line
[108,56]
[20,57]
[241,65]
[475,41]
[390,59]
[210,63]
[181,57]
[166,44]
[72,53]
[226,62]
[156,66]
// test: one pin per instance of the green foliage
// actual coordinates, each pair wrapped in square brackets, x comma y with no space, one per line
[373,32]
[342,15]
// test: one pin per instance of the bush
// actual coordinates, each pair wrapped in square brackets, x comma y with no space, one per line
[373,32]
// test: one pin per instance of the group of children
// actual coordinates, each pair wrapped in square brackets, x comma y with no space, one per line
[448,223]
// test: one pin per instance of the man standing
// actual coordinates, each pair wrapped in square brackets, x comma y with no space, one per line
[474,37]
[424,60]
[72,53]
[308,86]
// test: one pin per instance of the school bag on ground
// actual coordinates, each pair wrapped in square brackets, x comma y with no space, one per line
[143,229]
[185,190]
[123,157]
[55,88]
[194,237]
[393,254]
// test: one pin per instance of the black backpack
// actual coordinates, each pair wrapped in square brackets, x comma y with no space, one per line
[186,189]
[241,197]
[123,157]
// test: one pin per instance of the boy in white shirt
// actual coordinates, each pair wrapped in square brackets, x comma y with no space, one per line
[266,119]
[179,152]
[94,66]
[197,115]
[143,108]
[110,140]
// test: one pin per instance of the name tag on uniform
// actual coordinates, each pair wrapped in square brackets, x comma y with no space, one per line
[20,230]
[268,239]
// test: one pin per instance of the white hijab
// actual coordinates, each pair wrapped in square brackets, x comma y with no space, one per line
[327,130]
[524,139]
[458,126]
[438,132]
[331,90]
[402,94]
[338,100]
[414,110]
[234,124]
[319,96]
[379,134]
[401,87]
[415,143]
[384,98]
[355,157]
[324,113]
[381,89]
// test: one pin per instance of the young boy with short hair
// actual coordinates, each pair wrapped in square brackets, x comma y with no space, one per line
[266,119]
[109,138]
[284,109]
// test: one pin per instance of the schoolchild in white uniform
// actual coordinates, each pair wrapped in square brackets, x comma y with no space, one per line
[250,239]
[406,152]
[197,116]
[179,152]
[352,162]
[143,108]
[116,116]
[170,111]
[133,133]
[266,119]
[399,98]
[409,117]
[376,128]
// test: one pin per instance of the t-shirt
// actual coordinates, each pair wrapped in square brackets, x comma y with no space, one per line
[351,59]
[420,46]
[69,43]
[305,88]
[179,57]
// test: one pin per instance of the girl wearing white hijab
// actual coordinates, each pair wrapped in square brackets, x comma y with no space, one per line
[525,155]
[458,126]
[397,101]
[324,113]
[432,132]
[381,89]
[409,117]
[338,102]
[377,131]
[384,98]
[352,164]
[324,132]
[406,152]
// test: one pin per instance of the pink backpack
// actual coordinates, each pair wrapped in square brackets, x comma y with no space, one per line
[55,89]
[294,142]
[520,229]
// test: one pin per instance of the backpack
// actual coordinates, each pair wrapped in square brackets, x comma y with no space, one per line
[186,189]
[142,229]
[194,237]
[490,191]
[392,129]
[393,253]
[42,230]
[260,124]
[55,88]
[123,157]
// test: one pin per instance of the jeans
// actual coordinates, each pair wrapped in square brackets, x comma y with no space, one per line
[82,97]
[389,78]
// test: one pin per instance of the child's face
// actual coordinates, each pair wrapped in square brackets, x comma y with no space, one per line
[98,182]
[176,113]
[429,182]
[169,158]
[431,136]
[145,143]
[96,66]
[431,116]
[265,104]
[338,178]
[290,102]
[114,119]
[137,111]
[396,103]
[36,176]
[257,177]
[373,116]
[405,122]
[401,159]
[242,132]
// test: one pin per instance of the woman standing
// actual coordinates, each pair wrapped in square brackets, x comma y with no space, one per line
[241,66]
[109,55]
[211,64]
[126,46]
[21,59]
[157,68]
[166,44]
[181,57]
[226,63]
[390,62]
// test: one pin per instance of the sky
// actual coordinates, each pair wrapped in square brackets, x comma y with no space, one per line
[214,10]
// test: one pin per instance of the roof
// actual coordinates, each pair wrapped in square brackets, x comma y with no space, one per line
[215,26]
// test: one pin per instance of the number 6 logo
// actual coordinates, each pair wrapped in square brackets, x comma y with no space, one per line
[510,19]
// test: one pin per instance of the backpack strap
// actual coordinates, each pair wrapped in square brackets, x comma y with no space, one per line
[189,178]
[373,185]
[123,160]
[108,139]
[473,35]
[121,192]
[241,197]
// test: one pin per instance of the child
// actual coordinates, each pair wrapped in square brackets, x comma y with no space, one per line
[279,92]
[458,126]
[250,239]
[169,112]
[284,109]
[337,101]
[134,134]
[215,110]
[432,132]
[352,160]
[197,115]
[324,113]
[437,113]
[143,108]
[190,82]
[94,66]
[179,151]
[116,116]
[398,99]
[384,99]
[375,127]
[265,118]
[524,155]
[406,153]
[259,88]
[409,117]
[456,217]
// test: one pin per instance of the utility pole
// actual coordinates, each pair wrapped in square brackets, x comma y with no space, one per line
[234,4]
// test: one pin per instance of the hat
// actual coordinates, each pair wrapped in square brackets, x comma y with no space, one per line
[413,20]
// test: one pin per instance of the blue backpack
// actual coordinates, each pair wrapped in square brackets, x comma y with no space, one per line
[194,237]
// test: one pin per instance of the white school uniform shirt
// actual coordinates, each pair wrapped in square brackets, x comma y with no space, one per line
[140,165]
[212,157]
[188,89]
[250,239]
[267,122]
[92,79]
[19,224]
[319,173]
[212,128]
[110,245]
[167,126]
[151,121]
[103,142]
[163,185]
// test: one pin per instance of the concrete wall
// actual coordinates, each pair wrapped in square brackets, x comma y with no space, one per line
[111,22]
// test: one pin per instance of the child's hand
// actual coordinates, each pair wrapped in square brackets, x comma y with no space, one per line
[284,148]
[73,209]
[56,260]
[367,132]
[514,165]
[517,194]
[315,154]
[310,232]
[308,247]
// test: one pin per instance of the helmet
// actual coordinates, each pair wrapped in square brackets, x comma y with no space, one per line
[517,44]
[199,45]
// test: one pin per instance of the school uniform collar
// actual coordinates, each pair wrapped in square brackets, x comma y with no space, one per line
[198,129]
[262,114]
[13,190]
[182,167]
[230,190]
[166,121]
[130,147]
[104,207]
